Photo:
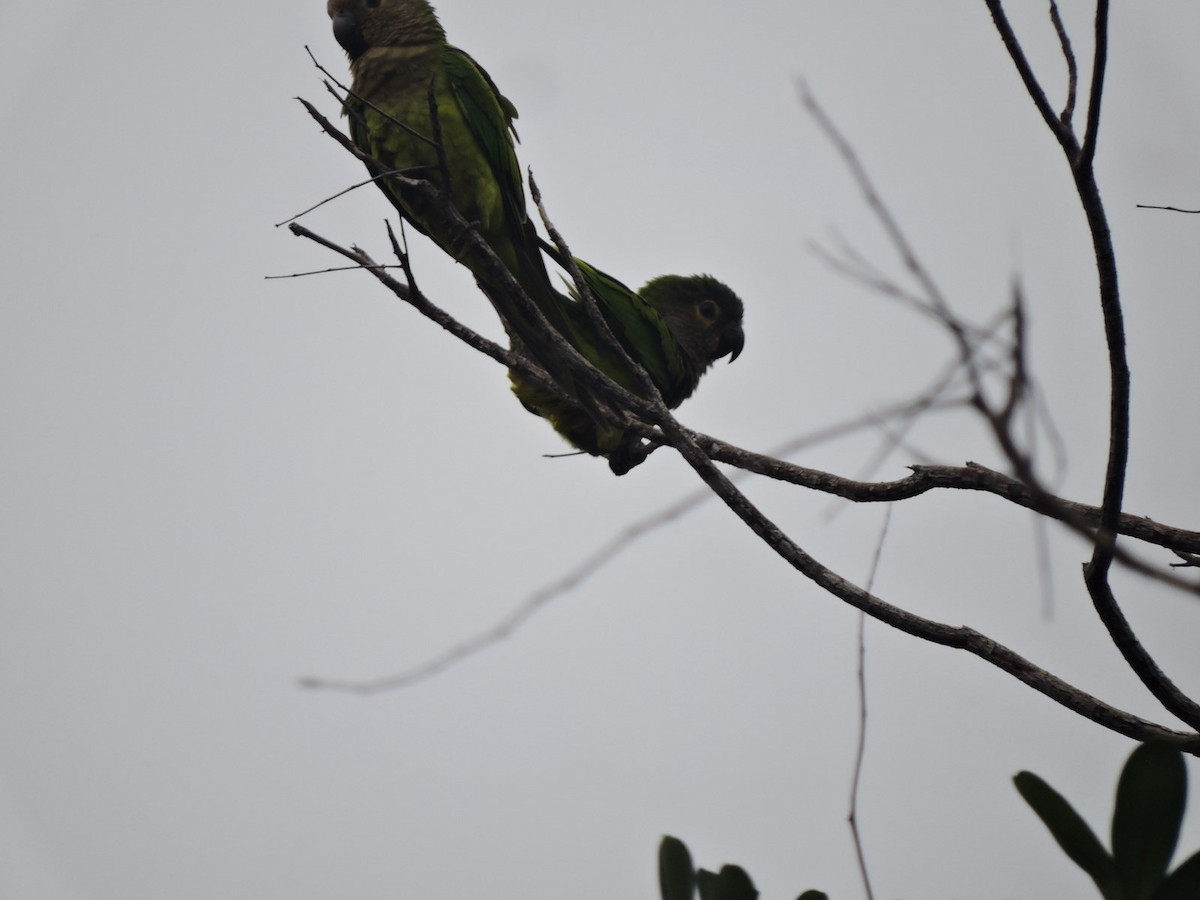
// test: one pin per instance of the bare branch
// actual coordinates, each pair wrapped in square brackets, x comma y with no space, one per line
[484,262]
[961,637]
[932,301]
[687,444]
[1018,380]
[861,748]
[971,477]
[699,451]
[625,538]
[508,625]
[316,272]
[1096,92]
[1111,514]
[413,297]
[1096,570]
[1041,545]
[1190,561]
[349,93]
[372,180]
[1060,130]
[854,266]
[1064,42]
[649,388]
[1169,209]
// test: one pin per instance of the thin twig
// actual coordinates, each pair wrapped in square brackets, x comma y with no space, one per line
[1190,561]
[620,542]
[932,293]
[350,93]
[317,272]
[488,267]
[508,625]
[647,385]
[861,747]
[1169,208]
[354,187]
[1064,41]
[1096,92]
[417,300]
[1044,564]
[1018,380]
[1064,134]
[403,258]
[608,339]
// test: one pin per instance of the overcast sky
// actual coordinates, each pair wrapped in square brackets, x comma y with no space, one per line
[216,484]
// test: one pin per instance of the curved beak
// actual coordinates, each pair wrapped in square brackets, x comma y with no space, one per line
[348,33]
[733,339]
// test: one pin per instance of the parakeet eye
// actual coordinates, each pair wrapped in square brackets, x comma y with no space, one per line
[707,310]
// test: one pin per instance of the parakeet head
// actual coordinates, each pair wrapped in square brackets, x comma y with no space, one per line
[359,25]
[703,314]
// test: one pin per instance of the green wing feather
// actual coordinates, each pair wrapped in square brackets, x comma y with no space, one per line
[488,114]
[391,90]
[675,327]
[641,331]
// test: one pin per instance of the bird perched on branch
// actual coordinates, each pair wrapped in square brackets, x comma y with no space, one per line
[423,108]
[675,327]
[426,109]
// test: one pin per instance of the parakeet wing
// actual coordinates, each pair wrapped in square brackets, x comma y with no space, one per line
[638,326]
[488,115]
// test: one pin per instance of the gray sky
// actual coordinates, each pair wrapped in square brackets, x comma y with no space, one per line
[216,484]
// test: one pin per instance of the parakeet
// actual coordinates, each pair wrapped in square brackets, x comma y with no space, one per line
[405,73]
[676,326]
[402,65]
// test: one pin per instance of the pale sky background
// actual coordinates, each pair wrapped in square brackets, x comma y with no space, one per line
[216,484]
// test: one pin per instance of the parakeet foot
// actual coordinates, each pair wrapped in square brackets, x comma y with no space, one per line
[629,454]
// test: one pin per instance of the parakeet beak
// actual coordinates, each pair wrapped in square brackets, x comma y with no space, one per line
[733,339]
[348,33]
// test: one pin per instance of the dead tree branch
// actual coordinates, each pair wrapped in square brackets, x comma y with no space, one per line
[657,423]
[1080,157]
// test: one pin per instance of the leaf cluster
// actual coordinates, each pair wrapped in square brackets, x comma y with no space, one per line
[1147,818]
[678,879]
[1151,796]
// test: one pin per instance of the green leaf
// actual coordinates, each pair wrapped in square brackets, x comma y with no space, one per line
[1077,840]
[676,875]
[1151,796]
[1183,883]
[731,883]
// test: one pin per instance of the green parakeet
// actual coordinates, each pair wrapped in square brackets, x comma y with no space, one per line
[676,326]
[401,63]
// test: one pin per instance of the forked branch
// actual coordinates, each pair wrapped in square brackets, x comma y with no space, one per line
[1080,157]
[700,452]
